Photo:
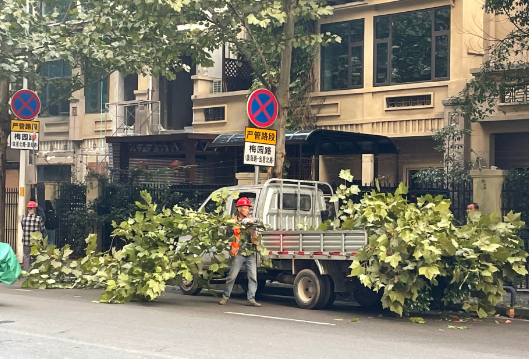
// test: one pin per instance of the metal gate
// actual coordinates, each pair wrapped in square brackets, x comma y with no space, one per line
[11,217]
[515,197]
[71,198]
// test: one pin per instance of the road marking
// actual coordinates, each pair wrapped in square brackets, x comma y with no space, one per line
[23,290]
[90,344]
[279,318]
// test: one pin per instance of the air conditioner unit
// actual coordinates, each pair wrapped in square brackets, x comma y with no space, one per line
[217,86]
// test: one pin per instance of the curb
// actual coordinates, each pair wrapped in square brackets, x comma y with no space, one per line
[519,311]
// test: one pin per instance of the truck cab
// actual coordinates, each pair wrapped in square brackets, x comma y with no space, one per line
[283,204]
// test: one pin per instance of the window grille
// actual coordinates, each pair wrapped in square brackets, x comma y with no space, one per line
[214,114]
[408,101]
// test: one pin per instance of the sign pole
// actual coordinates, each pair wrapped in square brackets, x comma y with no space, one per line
[256,175]
[21,212]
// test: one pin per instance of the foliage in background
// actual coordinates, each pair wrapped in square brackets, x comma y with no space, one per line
[450,145]
[300,115]
[418,257]
[118,201]
[506,72]
[152,256]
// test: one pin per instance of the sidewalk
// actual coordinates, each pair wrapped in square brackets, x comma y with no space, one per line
[521,308]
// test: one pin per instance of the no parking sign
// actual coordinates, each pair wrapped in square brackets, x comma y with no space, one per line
[25,104]
[262,108]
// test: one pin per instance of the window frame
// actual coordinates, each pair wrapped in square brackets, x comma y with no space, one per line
[350,44]
[389,39]
[46,89]
[100,101]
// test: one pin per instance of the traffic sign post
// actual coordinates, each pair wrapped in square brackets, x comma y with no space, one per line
[260,144]
[25,104]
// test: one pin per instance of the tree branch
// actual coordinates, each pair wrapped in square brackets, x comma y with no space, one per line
[67,14]
[254,40]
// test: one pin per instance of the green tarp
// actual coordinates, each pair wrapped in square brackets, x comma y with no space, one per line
[9,266]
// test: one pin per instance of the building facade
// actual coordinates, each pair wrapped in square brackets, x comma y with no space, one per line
[392,74]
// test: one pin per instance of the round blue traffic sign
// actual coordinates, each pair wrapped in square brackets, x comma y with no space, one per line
[25,104]
[262,108]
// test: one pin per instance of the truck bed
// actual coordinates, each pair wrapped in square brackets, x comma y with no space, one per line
[335,245]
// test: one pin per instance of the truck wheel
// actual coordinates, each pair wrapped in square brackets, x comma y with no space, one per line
[367,297]
[311,290]
[261,284]
[189,287]
[332,295]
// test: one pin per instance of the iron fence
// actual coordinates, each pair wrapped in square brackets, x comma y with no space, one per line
[71,199]
[515,197]
[187,195]
[11,216]
[460,194]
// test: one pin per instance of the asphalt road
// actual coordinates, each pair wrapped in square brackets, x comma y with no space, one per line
[67,324]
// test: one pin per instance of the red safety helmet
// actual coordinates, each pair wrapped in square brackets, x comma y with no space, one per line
[32,204]
[243,201]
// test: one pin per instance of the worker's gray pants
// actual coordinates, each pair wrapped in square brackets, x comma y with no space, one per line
[26,259]
[250,263]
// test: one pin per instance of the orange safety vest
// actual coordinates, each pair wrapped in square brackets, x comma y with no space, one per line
[235,243]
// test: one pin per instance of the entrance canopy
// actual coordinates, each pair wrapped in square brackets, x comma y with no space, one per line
[323,142]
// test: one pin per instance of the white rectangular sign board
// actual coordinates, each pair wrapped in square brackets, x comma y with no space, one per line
[258,154]
[24,141]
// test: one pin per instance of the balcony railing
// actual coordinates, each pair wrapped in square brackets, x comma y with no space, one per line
[236,75]
[516,93]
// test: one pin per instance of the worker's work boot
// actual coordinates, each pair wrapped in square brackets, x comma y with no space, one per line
[253,303]
[223,301]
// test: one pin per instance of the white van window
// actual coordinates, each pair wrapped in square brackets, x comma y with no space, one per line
[290,202]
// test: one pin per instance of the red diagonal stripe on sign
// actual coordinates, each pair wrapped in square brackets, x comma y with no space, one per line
[262,108]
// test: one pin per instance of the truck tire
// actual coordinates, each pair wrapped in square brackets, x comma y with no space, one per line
[367,297]
[189,287]
[261,284]
[311,290]
[332,295]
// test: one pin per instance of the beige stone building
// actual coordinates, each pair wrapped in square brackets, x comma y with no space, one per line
[397,64]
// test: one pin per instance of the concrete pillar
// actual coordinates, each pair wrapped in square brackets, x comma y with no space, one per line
[368,169]
[487,189]
[244,178]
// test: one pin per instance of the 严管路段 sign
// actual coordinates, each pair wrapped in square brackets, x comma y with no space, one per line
[24,135]
[259,135]
[260,147]
[25,126]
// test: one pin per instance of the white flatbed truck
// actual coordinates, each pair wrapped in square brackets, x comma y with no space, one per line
[315,262]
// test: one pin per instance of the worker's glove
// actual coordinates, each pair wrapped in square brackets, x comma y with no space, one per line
[246,221]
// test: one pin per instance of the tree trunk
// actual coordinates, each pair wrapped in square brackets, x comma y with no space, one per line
[283,89]
[4,132]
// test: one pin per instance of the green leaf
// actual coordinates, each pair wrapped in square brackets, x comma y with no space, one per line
[393,260]
[346,175]
[429,272]
[417,320]
[401,190]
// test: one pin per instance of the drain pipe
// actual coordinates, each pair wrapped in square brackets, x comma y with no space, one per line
[513,294]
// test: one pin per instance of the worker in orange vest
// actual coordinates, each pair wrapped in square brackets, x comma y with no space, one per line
[240,257]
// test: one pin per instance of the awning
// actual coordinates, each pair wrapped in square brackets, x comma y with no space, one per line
[323,142]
